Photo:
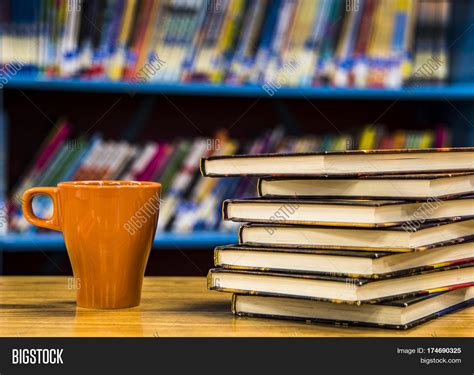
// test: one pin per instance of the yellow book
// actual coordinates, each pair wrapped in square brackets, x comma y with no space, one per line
[374,39]
[388,28]
[340,142]
[61,19]
[229,28]
[407,63]
[301,29]
[426,139]
[117,62]
[150,29]
[297,26]
[367,138]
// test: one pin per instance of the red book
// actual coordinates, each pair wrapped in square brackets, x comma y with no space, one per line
[154,163]
[441,136]
[138,37]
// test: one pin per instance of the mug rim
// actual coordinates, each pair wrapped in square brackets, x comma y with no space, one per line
[110,184]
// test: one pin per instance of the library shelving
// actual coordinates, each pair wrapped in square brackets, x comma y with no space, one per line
[455,91]
[164,240]
[54,242]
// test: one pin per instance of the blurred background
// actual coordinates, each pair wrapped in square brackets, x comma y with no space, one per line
[142,89]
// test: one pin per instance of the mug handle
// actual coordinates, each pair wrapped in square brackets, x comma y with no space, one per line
[53,222]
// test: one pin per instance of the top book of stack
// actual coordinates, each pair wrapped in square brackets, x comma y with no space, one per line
[346,163]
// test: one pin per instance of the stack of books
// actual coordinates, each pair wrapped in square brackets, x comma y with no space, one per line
[378,238]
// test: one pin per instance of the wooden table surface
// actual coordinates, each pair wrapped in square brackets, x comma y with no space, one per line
[171,306]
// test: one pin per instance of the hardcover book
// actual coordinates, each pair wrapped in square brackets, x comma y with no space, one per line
[340,212]
[350,263]
[406,187]
[411,236]
[401,313]
[350,163]
[340,289]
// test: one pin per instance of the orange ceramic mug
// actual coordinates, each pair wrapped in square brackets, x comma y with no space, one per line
[108,228]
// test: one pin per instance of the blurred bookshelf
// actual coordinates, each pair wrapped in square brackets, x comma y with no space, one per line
[170,241]
[453,83]
[455,91]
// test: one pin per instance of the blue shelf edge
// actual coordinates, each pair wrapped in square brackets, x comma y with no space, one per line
[172,241]
[457,91]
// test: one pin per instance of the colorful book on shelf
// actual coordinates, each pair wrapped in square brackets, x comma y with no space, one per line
[161,154]
[371,43]
[403,313]
[247,40]
[359,67]
[47,152]
[68,63]
[141,161]
[181,183]
[181,150]
[226,41]
[117,60]
[414,235]
[349,263]
[431,56]
[86,29]
[83,148]
[202,197]
[137,36]
[340,289]
[151,9]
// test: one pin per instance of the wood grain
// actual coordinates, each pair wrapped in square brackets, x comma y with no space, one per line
[171,306]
